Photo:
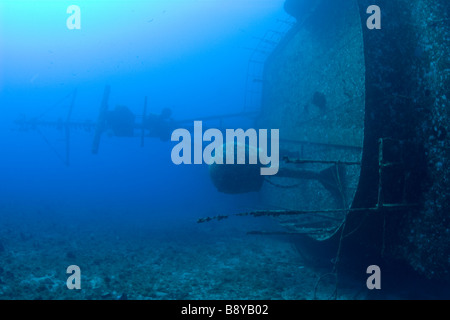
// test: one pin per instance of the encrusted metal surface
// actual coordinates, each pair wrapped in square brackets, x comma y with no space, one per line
[314,92]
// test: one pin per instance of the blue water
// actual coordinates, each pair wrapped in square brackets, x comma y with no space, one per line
[190,57]
[127,201]
[127,216]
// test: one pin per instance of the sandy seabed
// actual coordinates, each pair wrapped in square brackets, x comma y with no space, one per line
[139,259]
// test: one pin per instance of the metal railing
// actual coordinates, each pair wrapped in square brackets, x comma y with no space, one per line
[258,57]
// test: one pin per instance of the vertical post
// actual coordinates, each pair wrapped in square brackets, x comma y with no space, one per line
[380,173]
[67,128]
[143,122]
[101,120]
